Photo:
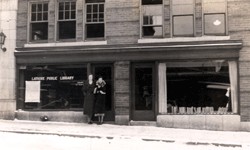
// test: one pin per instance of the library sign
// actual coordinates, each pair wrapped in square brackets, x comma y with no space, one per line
[55,78]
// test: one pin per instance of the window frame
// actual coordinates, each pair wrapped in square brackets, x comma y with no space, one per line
[216,34]
[29,21]
[187,14]
[141,21]
[98,22]
[57,20]
[226,20]
[184,35]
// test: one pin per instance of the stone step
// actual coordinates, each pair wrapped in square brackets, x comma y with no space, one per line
[142,123]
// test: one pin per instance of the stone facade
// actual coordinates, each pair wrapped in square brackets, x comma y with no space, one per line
[8,19]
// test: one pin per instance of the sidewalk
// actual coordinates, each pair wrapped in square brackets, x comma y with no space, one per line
[83,130]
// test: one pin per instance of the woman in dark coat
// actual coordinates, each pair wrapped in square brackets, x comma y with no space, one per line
[100,92]
[88,92]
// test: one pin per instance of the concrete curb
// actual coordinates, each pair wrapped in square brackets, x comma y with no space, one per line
[147,139]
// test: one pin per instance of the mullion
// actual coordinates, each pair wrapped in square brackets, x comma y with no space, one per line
[70,10]
[98,12]
[42,11]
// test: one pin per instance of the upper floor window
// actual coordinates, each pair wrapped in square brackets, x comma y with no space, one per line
[66,20]
[183,18]
[152,18]
[214,18]
[95,22]
[39,22]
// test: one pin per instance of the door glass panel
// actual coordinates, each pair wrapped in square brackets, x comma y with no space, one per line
[106,73]
[143,89]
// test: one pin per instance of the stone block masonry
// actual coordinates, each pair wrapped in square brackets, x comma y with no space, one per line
[122,94]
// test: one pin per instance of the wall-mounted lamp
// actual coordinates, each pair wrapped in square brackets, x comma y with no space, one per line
[2,40]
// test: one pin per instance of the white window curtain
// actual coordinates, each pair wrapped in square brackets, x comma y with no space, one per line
[233,85]
[162,88]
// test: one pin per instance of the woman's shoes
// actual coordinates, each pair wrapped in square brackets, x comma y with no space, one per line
[99,123]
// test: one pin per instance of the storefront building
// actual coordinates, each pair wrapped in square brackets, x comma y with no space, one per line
[8,11]
[175,63]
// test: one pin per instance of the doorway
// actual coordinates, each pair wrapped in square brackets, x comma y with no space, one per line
[143,92]
[106,71]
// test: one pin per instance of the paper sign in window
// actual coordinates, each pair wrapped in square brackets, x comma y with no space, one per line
[32,91]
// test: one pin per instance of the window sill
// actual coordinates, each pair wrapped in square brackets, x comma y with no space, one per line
[183,39]
[66,44]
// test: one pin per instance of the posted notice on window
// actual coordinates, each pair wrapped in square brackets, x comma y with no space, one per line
[32,91]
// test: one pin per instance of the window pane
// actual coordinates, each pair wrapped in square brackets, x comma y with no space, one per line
[39,16]
[89,8]
[39,31]
[152,31]
[61,6]
[33,9]
[39,6]
[183,26]
[67,30]
[94,17]
[73,5]
[88,17]
[33,17]
[73,15]
[215,24]
[149,2]
[67,6]
[101,7]
[101,17]
[45,7]
[45,16]
[60,15]
[95,30]
[152,14]
[95,8]
[59,94]
[66,14]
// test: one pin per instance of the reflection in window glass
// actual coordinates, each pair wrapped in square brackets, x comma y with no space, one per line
[215,24]
[152,20]
[61,87]
[39,31]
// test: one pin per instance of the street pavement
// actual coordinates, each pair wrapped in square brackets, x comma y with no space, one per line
[143,133]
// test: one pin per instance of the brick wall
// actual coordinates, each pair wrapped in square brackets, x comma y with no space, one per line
[239,28]
[122,97]
[22,16]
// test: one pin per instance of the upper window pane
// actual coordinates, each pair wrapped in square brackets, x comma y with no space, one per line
[150,2]
[94,1]
[152,15]
[66,10]
[95,13]
[39,12]
[183,26]
[215,24]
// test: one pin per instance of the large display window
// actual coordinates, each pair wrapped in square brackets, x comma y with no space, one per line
[207,87]
[58,87]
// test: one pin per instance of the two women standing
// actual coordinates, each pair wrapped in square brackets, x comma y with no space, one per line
[94,101]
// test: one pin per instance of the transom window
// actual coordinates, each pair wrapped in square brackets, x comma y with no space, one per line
[39,22]
[67,20]
[214,24]
[95,22]
[152,18]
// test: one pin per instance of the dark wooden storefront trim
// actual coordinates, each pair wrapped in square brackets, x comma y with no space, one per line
[136,52]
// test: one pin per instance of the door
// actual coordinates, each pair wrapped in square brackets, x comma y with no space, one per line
[143,92]
[106,71]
